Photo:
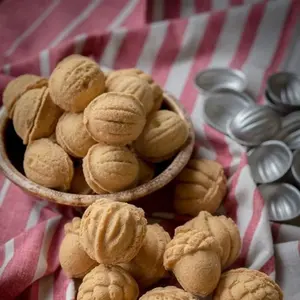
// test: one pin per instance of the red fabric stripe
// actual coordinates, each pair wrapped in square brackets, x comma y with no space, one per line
[171,9]
[2,177]
[283,42]
[60,284]
[203,5]
[203,56]
[258,205]
[217,139]
[137,17]
[275,228]
[57,21]
[97,21]
[23,67]
[269,266]
[170,49]
[236,2]
[19,270]
[131,48]
[249,34]
[149,10]
[230,202]
[13,224]
[17,9]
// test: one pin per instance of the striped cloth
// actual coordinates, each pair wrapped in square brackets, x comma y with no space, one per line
[172,40]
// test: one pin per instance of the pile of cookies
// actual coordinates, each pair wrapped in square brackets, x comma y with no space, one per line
[120,256]
[90,132]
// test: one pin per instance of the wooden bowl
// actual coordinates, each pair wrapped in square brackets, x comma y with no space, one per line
[12,153]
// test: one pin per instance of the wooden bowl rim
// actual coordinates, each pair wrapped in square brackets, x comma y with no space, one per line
[178,163]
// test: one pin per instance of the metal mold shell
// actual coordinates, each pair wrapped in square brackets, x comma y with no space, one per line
[254,125]
[278,107]
[282,200]
[219,78]
[284,88]
[221,106]
[270,161]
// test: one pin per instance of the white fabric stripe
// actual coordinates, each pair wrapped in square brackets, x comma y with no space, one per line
[217,4]
[32,28]
[265,43]
[79,42]
[288,262]
[112,48]
[225,50]
[44,63]
[291,61]
[4,190]
[158,10]
[9,250]
[122,16]
[187,8]
[47,239]
[261,248]
[6,69]
[35,214]
[244,197]
[222,56]
[70,291]
[46,288]
[152,46]
[77,21]
[183,63]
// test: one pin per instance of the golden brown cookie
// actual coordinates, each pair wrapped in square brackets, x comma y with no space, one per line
[239,284]
[79,184]
[146,171]
[108,283]
[157,91]
[200,186]
[35,115]
[72,136]
[133,85]
[75,82]
[195,258]
[235,238]
[110,168]
[167,293]
[17,87]
[115,118]
[223,229]
[147,267]
[47,164]
[73,260]
[112,232]
[164,134]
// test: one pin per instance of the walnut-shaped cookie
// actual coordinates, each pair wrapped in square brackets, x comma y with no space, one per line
[168,293]
[35,115]
[75,82]
[133,85]
[112,232]
[157,91]
[244,283]
[17,87]
[110,168]
[72,136]
[195,259]
[47,164]
[200,186]
[164,134]
[73,259]
[147,266]
[108,283]
[223,229]
[115,118]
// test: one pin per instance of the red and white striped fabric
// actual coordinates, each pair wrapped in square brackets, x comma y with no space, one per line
[254,37]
